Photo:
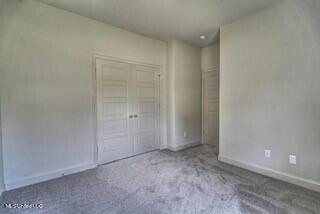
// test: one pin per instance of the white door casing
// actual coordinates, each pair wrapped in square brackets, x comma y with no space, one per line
[127,109]
[210,106]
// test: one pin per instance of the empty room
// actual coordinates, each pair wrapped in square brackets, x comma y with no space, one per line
[160,106]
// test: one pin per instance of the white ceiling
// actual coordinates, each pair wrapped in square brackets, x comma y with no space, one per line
[165,19]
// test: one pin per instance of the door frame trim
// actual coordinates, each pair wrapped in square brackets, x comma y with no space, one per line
[162,100]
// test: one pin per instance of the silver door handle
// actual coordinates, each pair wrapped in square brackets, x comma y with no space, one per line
[130,116]
[135,116]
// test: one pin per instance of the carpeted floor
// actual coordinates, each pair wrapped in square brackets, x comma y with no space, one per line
[190,181]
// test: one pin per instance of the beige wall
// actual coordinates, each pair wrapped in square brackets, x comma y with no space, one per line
[269,92]
[210,57]
[47,86]
[184,94]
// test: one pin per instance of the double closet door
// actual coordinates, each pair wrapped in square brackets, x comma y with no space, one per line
[127,109]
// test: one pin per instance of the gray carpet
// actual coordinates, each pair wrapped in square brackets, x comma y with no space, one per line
[190,181]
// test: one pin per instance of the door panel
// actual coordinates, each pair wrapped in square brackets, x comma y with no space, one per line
[114,126]
[115,109]
[211,107]
[115,91]
[115,72]
[113,104]
[146,106]
[146,122]
[145,76]
[145,92]
[145,142]
[128,109]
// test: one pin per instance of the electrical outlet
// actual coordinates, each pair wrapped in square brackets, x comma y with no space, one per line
[267,153]
[292,159]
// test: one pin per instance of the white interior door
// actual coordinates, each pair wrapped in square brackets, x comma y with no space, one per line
[211,107]
[127,109]
[114,88]
[146,108]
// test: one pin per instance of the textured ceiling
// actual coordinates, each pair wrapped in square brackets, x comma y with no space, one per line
[164,19]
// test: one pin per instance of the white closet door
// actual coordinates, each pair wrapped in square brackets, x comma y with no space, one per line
[146,108]
[114,87]
[211,107]
[128,109]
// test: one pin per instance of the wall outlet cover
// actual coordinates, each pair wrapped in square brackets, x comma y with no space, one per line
[292,159]
[267,153]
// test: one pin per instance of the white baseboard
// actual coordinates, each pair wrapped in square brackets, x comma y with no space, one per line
[47,176]
[176,148]
[162,147]
[306,183]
